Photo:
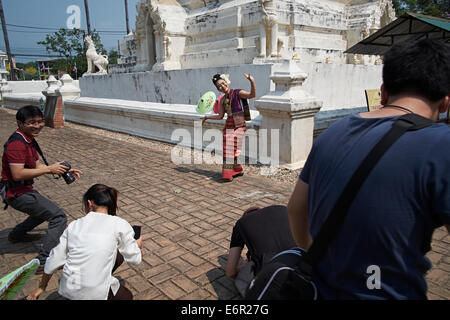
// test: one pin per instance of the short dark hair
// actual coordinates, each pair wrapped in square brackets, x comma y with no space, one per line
[27,112]
[421,67]
[216,78]
[102,196]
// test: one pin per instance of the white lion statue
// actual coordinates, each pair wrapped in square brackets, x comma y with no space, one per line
[94,59]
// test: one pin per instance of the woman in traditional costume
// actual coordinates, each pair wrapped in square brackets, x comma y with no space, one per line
[234,130]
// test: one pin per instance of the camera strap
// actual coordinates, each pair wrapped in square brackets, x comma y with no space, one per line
[336,218]
[38,149]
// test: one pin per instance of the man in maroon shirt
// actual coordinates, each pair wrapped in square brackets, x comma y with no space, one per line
[20,165]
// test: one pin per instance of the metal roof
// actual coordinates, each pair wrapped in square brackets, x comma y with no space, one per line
[408,27]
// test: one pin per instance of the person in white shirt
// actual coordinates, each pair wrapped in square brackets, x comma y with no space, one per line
[90,249]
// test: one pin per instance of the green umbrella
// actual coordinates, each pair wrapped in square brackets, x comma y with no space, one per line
[206,102]
[12,283]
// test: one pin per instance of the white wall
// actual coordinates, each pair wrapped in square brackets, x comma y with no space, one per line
[173,87]
[17,101]
[32,86]
[339,86]
[149,120]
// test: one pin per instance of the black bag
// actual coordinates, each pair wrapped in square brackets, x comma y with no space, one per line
[280,280]
[288,276]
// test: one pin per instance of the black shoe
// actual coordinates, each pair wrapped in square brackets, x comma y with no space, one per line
[23,238]
[227,180]
[240,174]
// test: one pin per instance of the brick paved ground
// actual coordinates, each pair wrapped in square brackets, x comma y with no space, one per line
[186,235]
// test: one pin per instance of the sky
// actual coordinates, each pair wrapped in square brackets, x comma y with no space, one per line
[105,15]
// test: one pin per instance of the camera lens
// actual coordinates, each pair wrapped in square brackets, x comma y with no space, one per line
[68,177]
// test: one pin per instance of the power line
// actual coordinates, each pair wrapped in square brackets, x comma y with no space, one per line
[105,33]
[22,48]
[57,29]
[22,31]
[30,27]
[37,55]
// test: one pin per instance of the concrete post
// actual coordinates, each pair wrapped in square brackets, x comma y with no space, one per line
[5,89]
[53,115]
[67,88]
[52,86]
[55,96]
[290,110]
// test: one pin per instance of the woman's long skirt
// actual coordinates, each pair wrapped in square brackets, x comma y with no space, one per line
[232,144]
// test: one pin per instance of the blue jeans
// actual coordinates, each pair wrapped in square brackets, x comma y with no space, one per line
[39,210]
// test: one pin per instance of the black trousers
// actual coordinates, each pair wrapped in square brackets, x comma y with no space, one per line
[123,293]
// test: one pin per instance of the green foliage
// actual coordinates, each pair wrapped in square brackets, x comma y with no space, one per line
[27,71]
[113,55]
[70,45]
[31,70]
[436,8]
[21,65]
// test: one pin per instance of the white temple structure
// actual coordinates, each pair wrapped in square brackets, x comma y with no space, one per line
[3,63]
[293,48]
[188,34]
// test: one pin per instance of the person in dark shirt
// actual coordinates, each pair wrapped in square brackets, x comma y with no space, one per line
[265,232]
[20,165]
[379,251]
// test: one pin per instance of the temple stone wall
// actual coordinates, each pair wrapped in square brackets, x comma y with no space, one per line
[197,34]
[339,86]
[173,87]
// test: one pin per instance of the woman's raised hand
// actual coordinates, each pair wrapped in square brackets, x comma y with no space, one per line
[249,77]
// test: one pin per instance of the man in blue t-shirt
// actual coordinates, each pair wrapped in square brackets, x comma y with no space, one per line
[379,252]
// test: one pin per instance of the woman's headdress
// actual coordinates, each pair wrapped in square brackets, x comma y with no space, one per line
[217,77]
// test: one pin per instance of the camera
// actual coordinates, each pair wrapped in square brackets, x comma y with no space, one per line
[137,232]
[68,177]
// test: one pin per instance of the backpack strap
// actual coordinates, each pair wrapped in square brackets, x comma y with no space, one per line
[336,218]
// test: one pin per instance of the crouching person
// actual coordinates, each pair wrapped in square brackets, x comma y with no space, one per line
[91,249]
[265,232]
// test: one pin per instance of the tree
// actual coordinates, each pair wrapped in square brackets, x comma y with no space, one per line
[31,70]
[113,55]
[436,8]
[70,45]
[27,71]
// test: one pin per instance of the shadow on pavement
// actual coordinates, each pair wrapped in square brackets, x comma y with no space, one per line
[213,175]
[222,285]
[20,247]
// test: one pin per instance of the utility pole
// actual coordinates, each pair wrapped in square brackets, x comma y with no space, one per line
[8,50]
[126,16]
[88,21]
